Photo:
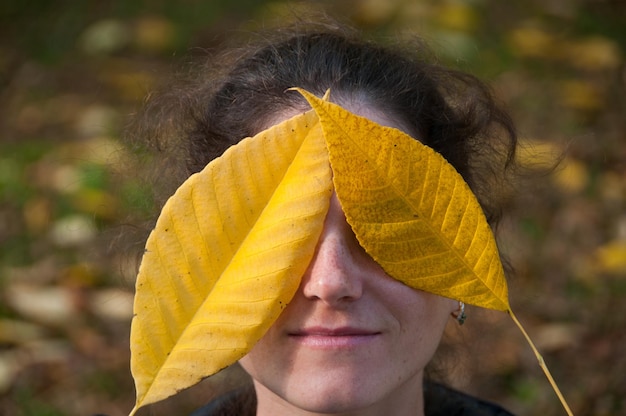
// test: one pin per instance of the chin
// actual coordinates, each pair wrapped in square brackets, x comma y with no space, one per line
[330,403]
[333,396]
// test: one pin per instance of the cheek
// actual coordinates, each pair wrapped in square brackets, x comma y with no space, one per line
[262,354]
[422,316]
[270,355]
[260,363]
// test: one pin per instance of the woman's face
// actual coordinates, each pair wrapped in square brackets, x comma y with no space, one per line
[352,337]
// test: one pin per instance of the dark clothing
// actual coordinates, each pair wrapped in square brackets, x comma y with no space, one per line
[444,401]
[438,401]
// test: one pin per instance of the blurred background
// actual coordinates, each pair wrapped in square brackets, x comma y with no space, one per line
[72,73]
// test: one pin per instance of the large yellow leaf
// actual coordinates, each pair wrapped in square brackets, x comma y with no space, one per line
[226,255]
[414,214]
[411,210]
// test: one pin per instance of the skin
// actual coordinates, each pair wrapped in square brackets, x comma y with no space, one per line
[353,341]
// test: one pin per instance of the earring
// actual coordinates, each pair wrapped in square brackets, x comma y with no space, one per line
[460,314]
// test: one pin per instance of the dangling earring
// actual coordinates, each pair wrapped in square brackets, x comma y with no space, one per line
[460,313]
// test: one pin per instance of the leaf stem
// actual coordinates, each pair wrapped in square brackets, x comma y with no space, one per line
[542,364]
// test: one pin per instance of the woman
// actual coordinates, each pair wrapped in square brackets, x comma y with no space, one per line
[352,340]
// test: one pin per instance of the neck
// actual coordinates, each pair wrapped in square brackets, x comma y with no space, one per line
[406,400]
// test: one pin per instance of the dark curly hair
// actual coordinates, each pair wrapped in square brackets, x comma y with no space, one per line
[238,93]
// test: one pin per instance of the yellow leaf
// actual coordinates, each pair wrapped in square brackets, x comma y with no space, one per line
[582,95]
[532,42]
[537,154]
[457,16]
[572,175]
[414,214]
[595,53]
[411,210]
[226,255]
[611,257]
[154,34]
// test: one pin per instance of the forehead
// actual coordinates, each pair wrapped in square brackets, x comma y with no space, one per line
[360,108]
[376,115]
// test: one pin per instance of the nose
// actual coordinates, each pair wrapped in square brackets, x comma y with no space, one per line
[335,275]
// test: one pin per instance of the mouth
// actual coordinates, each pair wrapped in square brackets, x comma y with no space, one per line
[325,338]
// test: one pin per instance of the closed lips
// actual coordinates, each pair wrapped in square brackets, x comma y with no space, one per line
[334,332]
